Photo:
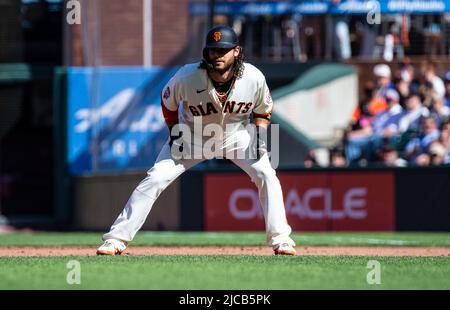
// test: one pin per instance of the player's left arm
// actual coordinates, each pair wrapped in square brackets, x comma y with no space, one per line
[262,111]
[262,114]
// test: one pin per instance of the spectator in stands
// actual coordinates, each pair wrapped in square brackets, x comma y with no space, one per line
[433,88]
[310,160]
[381,127]
[444,139]
[341,34]
[413,114]
[447,89]
[392,41]
[311,37]
[294,47]
[337,157]
[382,74]
[438,85]
[433,38]
[406,82]
[386,124]
[342,40]
[368,36]
[440,149]
[402,87]
[440,111]
[361,116]
[446,126]
[390,158]
[383,83]
[408,73]
[417,150]
[384,127]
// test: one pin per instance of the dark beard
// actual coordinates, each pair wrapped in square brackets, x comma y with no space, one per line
[222,71]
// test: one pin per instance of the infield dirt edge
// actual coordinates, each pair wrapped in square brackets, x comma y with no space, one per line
[229,250]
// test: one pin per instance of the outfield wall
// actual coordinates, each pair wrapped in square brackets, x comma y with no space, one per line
[98,200]
[318,201]
[410,199]
[407,199]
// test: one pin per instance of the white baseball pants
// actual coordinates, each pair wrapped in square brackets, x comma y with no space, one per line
[166,170]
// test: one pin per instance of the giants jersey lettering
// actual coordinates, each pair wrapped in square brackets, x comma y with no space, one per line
[192,94]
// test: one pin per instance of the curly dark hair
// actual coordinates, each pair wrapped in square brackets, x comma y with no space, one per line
[239,66]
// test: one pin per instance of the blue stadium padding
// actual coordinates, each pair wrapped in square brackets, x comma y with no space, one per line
[114,120]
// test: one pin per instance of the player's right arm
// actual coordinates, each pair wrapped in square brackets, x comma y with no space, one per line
[169,104]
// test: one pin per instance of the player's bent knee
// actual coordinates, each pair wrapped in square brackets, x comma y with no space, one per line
[155,181]
[264,175]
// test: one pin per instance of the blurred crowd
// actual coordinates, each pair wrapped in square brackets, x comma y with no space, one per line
[303,37]
[403,119]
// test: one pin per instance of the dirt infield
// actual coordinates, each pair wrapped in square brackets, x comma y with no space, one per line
[206,250]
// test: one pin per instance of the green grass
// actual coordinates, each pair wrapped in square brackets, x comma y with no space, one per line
[224,272]
[230,239]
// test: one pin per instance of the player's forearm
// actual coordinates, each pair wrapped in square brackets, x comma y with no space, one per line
[262,125]
[261,122]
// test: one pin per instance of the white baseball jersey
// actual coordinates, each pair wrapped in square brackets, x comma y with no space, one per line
[192,93]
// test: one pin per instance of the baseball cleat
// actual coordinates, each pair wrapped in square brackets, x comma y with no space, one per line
[284,249]
[111,247]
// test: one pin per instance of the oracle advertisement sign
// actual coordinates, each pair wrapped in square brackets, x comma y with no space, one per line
[325,201]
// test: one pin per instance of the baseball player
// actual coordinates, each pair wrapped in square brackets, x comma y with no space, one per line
[223,91]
